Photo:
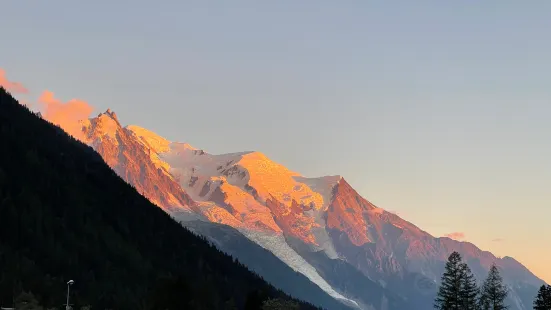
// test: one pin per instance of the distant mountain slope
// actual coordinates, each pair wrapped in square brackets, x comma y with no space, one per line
[262,262]
[66,215]
[390,249]
[314,225]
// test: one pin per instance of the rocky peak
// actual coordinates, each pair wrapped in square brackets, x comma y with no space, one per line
[111,114]
[106,124]
[129,152]
[364,223]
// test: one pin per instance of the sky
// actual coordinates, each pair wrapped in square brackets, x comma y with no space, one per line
[436,110]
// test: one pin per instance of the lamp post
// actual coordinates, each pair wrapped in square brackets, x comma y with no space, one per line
[71,282]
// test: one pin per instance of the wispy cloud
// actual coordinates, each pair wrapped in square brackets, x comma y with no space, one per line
[498,240]
[13,87]
[456,236]
[65,114]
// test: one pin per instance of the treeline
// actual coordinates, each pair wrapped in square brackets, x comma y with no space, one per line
[543,300]
[64,214]
[27,301]
[459,289]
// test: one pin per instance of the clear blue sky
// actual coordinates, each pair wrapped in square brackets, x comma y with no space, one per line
[438,110]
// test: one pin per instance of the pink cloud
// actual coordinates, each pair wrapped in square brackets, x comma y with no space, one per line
[456,236]
[12,87]
[498,240]
[65,114]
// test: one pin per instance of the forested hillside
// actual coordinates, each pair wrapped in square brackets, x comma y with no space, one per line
[64,214]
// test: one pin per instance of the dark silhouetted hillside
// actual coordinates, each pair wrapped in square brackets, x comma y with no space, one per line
[64,214]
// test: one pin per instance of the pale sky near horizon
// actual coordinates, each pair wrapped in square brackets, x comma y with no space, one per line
[437,110]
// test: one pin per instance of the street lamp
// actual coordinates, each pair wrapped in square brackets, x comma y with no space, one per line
[71,282]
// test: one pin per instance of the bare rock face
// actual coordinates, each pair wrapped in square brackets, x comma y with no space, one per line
[393,251]
[131,160]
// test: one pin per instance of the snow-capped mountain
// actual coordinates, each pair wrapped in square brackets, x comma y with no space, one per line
[134,162]
[322,228]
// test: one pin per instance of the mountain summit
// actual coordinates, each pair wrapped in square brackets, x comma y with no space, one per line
[134,161]
[320,227]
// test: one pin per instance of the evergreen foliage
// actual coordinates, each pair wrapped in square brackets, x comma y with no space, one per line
[543,300]
[493,292]
[280,304]
[469,289]
[459,290]
[449,295]
[27,301]
[64,214]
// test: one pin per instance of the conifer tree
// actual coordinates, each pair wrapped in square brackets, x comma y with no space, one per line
[493,292]
[469,289]
[449,293]
[543,300]
[27,301]
[280,304]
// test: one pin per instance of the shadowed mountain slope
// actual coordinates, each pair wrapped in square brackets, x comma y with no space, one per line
[273,270]
[64,214]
